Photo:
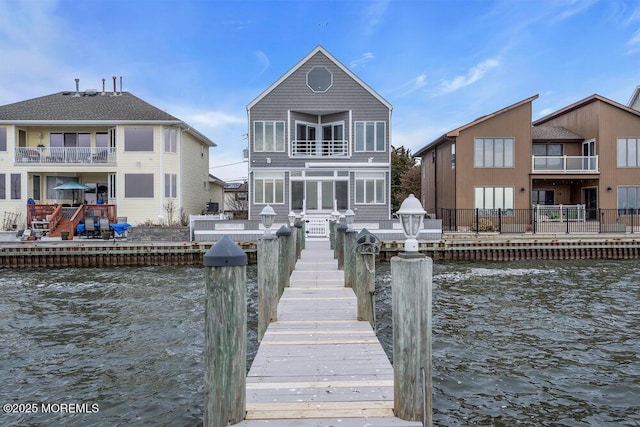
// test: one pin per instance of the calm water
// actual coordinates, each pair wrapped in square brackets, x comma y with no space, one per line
[527,343]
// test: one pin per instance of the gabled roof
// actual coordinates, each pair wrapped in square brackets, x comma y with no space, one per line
[332,59]
[554,133]
[216,180]
[582,103]
[456,132]
[90,108]
[634,97]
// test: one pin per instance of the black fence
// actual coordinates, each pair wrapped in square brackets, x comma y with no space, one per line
[556,219]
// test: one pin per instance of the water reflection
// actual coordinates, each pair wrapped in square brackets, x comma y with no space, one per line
[527,343]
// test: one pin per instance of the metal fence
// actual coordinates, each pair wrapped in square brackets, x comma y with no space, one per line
[568,219]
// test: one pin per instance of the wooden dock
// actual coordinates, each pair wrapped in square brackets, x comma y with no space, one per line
[317,365]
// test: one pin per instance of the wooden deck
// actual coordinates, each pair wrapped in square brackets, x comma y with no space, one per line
[317,365]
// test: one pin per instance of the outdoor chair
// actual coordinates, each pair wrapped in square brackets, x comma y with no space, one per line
[104,225]
[90,229]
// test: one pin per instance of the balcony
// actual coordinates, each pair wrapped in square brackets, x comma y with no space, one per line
[323,149]
[564,164]
[65,155]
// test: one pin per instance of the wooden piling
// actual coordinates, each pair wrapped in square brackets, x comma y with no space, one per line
[268,248]
[284,270]
[365,286]
[340,231]
[225,335]
[350,258]
[411,284]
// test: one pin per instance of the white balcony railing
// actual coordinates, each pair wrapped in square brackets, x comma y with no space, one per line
[65,155]
[564,164]
[560,213]
[320,148]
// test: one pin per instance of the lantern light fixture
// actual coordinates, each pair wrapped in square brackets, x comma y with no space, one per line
[292,218]
[411,214]
[268,215]
[350,217]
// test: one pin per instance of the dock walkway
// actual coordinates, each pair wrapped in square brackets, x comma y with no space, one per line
[317,365]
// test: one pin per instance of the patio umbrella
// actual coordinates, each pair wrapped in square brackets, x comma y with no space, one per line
[73,186]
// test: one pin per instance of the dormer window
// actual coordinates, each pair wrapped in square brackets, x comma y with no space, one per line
[319,79]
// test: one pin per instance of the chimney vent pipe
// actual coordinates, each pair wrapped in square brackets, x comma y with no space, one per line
[120,85]
[114,86]
[103,80]
[77,87]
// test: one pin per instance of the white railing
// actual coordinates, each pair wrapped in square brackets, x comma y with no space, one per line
[564,164]
[320,148]
[560,213]
[65,155]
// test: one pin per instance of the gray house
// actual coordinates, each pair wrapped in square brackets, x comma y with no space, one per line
[319,139]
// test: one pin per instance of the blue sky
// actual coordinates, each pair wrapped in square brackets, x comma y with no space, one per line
[440,64]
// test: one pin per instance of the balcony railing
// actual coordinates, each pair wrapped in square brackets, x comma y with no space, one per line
[65,155]
[320,148]
[564,164]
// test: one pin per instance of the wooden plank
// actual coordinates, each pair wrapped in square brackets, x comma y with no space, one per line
[317,362]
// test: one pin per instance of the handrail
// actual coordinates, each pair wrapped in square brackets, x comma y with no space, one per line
[64,155]
[321,148]
[564,164]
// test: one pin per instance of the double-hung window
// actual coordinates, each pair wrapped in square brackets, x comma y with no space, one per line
[489,199]
[268,187]
[370,136]
[3,139]
[370,188]
[268,136]
[170,140]
[493,153]
[628,152]
[170,185]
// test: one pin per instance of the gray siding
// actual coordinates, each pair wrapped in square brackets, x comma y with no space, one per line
[347,100]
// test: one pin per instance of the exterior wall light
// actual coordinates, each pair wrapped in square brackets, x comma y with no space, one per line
[350,218]
[292,218]
[411,214]
[267,214]
[335,215]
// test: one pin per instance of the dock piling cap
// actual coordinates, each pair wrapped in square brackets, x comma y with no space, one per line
[225,253]
[283,231]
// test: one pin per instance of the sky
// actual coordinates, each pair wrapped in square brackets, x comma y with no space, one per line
[440,63]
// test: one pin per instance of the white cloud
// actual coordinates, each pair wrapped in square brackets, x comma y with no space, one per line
[412,85]
[263,60]
[363,60]
[373,15]
[634,43]
[545,112]
[214,119]
[473,75]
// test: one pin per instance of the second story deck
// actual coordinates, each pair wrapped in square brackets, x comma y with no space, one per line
[65,155]
[564,164]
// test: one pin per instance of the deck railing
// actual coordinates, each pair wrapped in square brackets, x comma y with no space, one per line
[320,148]
[566,219]
[564,164]
[65,155]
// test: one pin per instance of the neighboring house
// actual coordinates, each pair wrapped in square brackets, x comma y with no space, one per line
[587,153]
[319,139]
[634,101]
[216,195]
[131,154]
[236,200]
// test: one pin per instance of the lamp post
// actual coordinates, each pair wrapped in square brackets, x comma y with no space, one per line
[267,215]
[411,284]
[292,218]
[411,215]
[350,218]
